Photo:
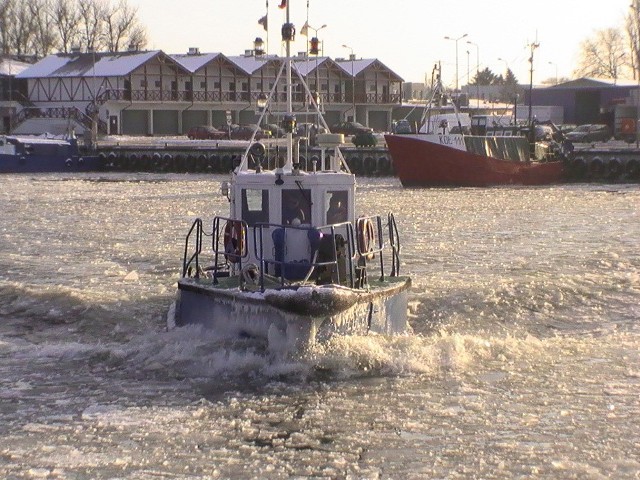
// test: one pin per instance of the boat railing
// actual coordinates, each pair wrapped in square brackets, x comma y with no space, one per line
[192,250]
[330,256]
[228,244]
[394,242]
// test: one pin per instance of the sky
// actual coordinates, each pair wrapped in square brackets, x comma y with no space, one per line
[408,36]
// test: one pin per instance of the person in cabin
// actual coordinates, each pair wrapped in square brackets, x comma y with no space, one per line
[337,211]
[292,211]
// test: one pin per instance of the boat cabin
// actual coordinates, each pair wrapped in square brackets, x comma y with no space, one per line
[289,213]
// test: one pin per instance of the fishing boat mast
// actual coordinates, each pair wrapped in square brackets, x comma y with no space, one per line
[288,36]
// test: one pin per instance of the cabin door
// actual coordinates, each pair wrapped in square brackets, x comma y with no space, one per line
[113,125]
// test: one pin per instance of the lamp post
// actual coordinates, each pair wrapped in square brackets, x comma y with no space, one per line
[477,71]
[468,74]
[456,40]
[506,64]
[353,82]
[315,41]
[555,65]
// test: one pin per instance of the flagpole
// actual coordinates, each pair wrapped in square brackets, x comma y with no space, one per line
[267,29]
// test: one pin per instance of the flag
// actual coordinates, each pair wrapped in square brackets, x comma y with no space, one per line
[305,29]
[283,4]
[264,22]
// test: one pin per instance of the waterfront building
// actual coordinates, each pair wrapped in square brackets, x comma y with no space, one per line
[153,93]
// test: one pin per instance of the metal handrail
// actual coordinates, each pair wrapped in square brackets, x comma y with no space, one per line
[394,241]
[266,261]
[197,227]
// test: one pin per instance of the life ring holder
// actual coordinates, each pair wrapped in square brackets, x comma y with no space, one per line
[234,240]
[366,238]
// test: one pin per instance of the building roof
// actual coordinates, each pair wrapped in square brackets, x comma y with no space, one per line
[194,62]
[586,82]
[12,67]
[308,64]
[359,65]
[100,64]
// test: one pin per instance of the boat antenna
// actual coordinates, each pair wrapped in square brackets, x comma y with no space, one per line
[532,48]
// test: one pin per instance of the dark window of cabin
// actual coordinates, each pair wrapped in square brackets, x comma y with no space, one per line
[296,203]
[255,206]
[337,206]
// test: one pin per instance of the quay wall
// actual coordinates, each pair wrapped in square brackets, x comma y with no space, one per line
[600,163]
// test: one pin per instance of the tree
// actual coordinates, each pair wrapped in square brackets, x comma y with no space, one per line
[484,77]
[20,29]
[632,24]
[45,37]
[66,18]
[91,14]
[39,27]
[120,25]
[603,55]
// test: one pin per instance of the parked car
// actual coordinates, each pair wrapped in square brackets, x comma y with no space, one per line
[590,133]
[244,132]
[205,132]
[350,128]
[402,127]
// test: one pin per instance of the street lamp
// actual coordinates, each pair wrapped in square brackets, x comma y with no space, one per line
[477,71]
[353,82]
[555,65]
[506,64]
[456,40]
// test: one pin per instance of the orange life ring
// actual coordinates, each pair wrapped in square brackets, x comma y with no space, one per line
[234,237]
[628,125]
[366,238]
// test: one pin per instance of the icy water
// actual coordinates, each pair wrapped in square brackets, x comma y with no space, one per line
[524,361]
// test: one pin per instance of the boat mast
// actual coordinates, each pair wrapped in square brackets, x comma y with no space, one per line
[288,33]
[533,46]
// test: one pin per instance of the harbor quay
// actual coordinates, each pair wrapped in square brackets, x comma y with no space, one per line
[176,154]
[614,161]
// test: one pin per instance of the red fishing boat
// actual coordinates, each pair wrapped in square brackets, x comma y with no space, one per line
[494,153]
[456,160]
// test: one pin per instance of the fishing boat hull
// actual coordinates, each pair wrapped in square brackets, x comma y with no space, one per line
[48,164]
[36,154]
[443,161]
[292,319]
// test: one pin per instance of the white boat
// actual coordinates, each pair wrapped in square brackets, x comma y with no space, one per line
[291,263]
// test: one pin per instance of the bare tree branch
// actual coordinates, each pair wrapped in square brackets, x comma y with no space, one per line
[66,18]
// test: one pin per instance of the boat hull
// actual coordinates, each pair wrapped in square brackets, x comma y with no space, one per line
[419,162]
[46,163]
[290,320]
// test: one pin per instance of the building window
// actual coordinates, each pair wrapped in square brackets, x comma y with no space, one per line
[203,85]
[158,84]
[232,87]
[216,85]
[245,87]
[143,83]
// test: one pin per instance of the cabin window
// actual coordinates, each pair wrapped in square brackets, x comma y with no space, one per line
[337,206]
[296,205]
[255,206]
[158,84]
[203,85]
